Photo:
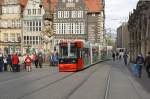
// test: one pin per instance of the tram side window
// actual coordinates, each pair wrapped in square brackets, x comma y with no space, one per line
[85,53]
[73,51]
[64,51]
[79,53]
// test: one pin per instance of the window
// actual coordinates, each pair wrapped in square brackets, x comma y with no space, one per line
[25,39]
[34,11]
[18,37]
[33,40]
[59,14]
[5,35]
[70,0]
[39,11]
[36,39]
[12,37]
[29,11]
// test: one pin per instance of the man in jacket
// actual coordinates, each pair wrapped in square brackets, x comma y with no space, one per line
[147,64]
[15,62]
[140,62]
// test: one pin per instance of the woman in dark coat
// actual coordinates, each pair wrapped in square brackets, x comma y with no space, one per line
[9,63]
[1,62]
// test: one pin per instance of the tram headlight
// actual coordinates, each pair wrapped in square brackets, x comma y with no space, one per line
[61,61]
[74,61]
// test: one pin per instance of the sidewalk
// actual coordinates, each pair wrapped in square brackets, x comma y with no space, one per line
[144,81]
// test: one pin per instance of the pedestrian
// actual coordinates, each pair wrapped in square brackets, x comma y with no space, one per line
[147,64]
[5,63]
[36,60]
[140,63]
[113,55]
[117,55]
[40,60]
[28,62]
[21,62]
[50,60]
[1,62]
[120,56]
[9,63]
[125,57]
[15,62]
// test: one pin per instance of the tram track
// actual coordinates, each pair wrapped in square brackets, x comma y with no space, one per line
[61,79]
[107,86]
[15,78]
[83,82]
[45,86]
[50,79]
[34,80]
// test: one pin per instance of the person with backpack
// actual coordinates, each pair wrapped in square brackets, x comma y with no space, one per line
[28,62]
[1,62]
[140,63]
[147,64]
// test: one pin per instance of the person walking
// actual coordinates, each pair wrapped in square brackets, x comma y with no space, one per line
[50,59]
[147,64]
[21,62]
[117,55]
[5,63]
[15,62]
[113,55]
[28,62]
[9,63]
[36,60]
[40,60]
[1,62]
[125,57]
[140,62]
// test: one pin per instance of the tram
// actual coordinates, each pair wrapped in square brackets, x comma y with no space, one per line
[77,55]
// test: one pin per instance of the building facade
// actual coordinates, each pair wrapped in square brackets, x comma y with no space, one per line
[95,20]
[32,26]
[70,21]
[123,36]
[10,36]
[139,29]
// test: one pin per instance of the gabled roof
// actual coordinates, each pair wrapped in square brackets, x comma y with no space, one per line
[23,3]
[94,5]
[1,2]
[45,4]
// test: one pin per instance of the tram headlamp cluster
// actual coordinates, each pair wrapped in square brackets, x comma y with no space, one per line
[74,61]
[67,61]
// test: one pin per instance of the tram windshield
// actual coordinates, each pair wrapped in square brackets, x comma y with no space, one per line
[73,51]
[68,50]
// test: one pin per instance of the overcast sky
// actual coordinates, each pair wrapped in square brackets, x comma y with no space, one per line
[117,11]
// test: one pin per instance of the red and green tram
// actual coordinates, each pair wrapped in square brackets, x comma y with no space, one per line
[77,55]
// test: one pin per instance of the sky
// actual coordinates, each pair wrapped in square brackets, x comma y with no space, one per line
[117,11]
